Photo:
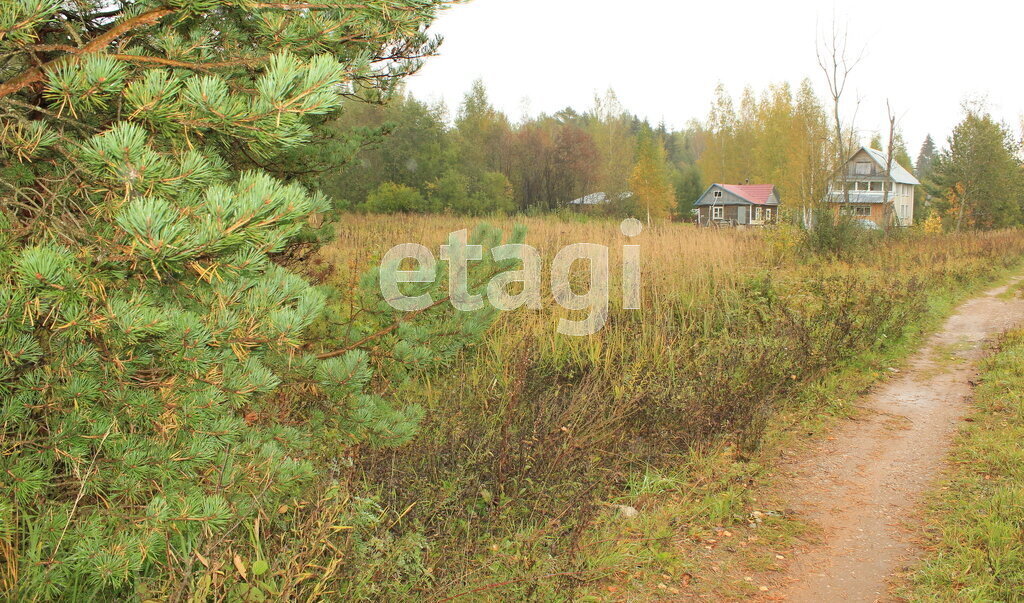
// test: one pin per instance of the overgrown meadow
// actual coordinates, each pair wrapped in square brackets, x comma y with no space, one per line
[204,395]
[529,439]
[309,442]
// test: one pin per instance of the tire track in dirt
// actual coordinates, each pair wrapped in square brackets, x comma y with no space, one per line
[869,478]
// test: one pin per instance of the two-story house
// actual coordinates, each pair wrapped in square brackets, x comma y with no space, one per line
[875,194]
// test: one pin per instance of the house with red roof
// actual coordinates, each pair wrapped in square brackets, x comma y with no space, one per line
[738,205]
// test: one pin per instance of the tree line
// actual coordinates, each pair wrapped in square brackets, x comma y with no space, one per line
[407,155]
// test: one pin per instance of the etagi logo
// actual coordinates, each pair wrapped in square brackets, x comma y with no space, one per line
[458,253]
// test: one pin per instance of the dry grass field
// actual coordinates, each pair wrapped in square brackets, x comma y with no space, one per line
[531,439]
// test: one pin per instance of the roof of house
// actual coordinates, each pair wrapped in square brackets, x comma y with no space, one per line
[899,173]
[860,197]
[599,198]
[756,194]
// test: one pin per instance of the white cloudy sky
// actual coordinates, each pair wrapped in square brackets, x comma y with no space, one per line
[665,57]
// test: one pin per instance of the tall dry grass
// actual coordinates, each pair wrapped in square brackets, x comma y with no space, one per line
[531,431]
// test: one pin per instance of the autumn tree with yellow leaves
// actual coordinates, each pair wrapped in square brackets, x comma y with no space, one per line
[651,181]
[781,137]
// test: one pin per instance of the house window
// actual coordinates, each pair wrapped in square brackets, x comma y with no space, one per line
[863,168]
[758,214]
[717,213]
[717,194]
[768,213]
[861,211]
[875,186]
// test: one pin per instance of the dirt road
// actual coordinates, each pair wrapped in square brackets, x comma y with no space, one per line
[868,479]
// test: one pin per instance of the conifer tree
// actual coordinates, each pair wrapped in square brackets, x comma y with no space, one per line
[923,168]
[157,383]
[925,159]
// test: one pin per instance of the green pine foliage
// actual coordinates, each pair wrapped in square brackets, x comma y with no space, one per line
[158,383]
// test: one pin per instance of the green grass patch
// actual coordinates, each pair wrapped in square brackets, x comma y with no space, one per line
[976,520]
[1013,290]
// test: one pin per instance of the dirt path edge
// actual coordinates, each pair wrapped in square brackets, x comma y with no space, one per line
[863,483]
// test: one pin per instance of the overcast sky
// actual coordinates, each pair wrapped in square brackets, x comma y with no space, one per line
[665,57]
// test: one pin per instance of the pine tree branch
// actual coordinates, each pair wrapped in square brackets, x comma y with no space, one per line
[318,6]
[36,74]
[91,17]
[405,318]
[187,65]
[137,58]
[382,332]
[84,127]
[81,493]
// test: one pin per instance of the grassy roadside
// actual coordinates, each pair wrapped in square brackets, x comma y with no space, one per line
[975,522]
[712,527]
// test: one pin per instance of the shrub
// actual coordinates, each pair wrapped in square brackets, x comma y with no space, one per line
[391,198]
[839,235]
[489,194]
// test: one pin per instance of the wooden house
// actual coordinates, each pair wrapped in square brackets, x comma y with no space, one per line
[875,194]
[738,205]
